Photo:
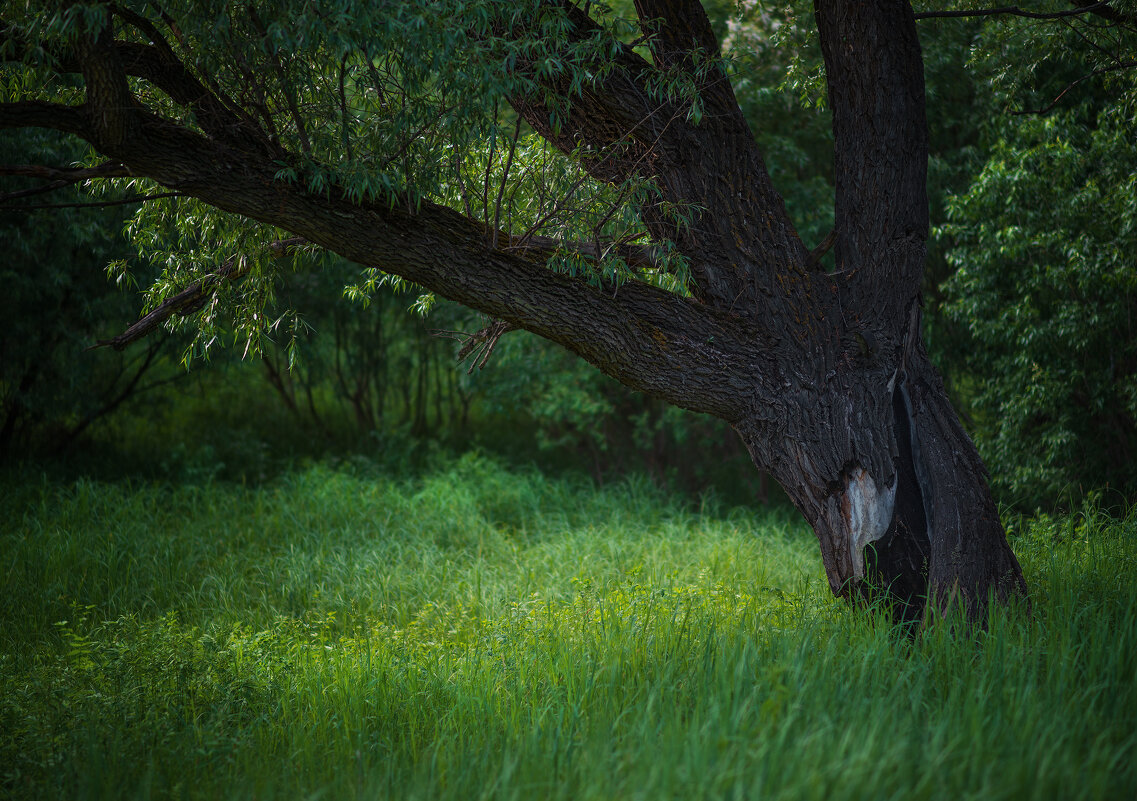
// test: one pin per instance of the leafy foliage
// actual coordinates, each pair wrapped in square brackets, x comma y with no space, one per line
[1043,239]
[1044,242]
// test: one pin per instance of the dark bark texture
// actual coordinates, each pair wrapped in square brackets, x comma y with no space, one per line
[823,375]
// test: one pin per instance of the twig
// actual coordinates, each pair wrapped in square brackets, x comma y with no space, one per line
[93,204]
[1124,65]
[504,181]
[481,343]
[815,255]
[285,87]
[343,108]
[1013,11]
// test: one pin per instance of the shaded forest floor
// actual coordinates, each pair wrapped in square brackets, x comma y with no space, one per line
[484,632]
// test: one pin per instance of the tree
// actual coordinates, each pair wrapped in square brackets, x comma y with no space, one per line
[583,177]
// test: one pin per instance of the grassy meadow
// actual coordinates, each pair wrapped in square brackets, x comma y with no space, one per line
[488,632]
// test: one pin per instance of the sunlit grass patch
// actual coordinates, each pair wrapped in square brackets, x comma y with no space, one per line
[488,633]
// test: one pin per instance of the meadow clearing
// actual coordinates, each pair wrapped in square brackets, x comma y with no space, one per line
[489,632]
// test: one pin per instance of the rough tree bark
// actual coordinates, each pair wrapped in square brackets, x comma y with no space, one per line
[823,375]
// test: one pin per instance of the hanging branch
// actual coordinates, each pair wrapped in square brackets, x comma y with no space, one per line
[190,299]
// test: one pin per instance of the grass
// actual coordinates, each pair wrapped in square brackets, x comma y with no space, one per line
[487,633]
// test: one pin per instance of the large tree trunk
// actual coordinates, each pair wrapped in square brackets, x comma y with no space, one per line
[876,460]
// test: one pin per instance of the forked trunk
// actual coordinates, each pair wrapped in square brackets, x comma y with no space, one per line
[881,466]
[894,490]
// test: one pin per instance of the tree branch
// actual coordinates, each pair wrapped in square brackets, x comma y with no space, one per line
[818,252]
[649,339]
[696,357]
[40,114]
[285,88]
[113,403]
[874,71]
[160,66]
[70,175]
[1105,11]
[481,343]
[64,176]
[110,106]
[125,201]
[739,241]
[1124,65]
[1014,11]
[643,257]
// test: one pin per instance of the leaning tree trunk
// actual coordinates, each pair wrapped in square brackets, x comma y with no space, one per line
[844,408]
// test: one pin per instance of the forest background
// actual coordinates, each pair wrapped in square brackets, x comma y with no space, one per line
[335,560]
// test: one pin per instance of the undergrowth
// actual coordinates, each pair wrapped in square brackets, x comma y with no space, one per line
[481,632]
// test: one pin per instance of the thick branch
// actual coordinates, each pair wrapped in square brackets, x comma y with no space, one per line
[875,75]
[160,66]
[110,106]
[646,338]
[742,238]
[40,114]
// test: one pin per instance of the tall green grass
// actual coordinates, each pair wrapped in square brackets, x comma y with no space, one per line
[486,633]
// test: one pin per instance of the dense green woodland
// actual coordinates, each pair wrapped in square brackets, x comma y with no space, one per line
[314,536]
